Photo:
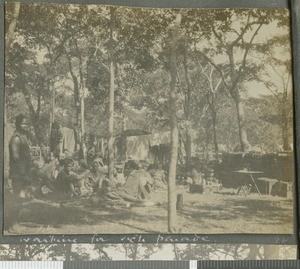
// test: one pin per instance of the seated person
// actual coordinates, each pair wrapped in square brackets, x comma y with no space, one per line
[47,174]
[67,179]
[111,195]
[159,178]
[94,180]
[119,176]
[97,175]
[138,183]
[194,176]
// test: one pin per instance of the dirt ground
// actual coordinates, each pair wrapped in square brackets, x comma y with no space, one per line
[202,214]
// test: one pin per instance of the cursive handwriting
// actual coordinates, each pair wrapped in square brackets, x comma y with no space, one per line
[181,239]
[51,239]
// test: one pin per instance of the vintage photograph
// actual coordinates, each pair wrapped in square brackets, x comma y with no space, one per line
[137,252]
[145,121]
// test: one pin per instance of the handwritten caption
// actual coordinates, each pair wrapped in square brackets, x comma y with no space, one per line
[96,239]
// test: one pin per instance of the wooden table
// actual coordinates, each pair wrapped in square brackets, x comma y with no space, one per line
[243,187]
[268,183]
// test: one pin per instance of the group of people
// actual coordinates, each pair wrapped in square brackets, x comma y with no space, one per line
[71,178]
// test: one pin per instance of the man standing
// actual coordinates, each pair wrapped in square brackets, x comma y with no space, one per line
[20,162]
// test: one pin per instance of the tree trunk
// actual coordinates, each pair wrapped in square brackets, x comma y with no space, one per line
[8,40]
[188,145]
[38,111]
[68,252]
[77,103]
[134,251]
[241,123]
[33,120]
[188,149]
[284,126]
[214,125]
[175,252]
[82,141]
[12,26]
[124,122]
[52,105]
[253,252]
[271,252]
[23,252]
[172,222]
[111,103]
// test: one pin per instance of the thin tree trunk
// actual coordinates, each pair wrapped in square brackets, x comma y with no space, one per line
[172,218]
[38,111]
[52,105]
[23,252]
[188,149]
[12,26]
[271,252]
[241,124]
[33,119]
[284,125]
[134,251]
[68,252]
[214,124]
[207,143]
[8,41]
[175,252]
[82,142]
[253,252]
[77,104]
[111,103]
[124,122]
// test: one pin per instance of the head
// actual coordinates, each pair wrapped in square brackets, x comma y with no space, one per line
[83,164]
[68,165]
[141,165]
[97,163]
[22,123]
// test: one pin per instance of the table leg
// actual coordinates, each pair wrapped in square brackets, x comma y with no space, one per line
[255,184]
[242,188]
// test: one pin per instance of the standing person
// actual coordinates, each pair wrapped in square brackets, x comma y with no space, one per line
[20,162]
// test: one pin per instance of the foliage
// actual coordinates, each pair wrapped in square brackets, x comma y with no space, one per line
[53,41]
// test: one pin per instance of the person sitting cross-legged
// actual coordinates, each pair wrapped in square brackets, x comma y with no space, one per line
[67,179]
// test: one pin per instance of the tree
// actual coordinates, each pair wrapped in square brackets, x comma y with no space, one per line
[279,65]
[172,223]
[34,33]
[213,84]
[111,100]
[12,24]
[236,41]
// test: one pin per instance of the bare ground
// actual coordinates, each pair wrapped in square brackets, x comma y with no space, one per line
[202,214]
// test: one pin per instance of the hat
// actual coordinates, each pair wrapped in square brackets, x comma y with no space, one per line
[99,161]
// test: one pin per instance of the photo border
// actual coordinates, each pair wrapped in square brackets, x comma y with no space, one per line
[278,239]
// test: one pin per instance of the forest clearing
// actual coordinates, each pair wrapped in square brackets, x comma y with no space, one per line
[131,120]
[202,214]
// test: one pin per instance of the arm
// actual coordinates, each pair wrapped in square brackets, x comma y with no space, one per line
[77,177]
[15,147]
[15,151]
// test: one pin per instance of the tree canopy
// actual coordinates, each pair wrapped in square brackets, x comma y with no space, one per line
[58,67]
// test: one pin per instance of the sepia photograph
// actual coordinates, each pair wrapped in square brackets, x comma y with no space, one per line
[121,120]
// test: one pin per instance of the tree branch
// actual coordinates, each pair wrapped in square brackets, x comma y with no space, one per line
[214,65]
